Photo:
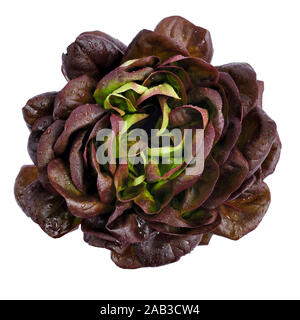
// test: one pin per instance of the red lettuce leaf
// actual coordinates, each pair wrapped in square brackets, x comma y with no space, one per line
[77,92]
[148,43]
[26,176]
[37,107]
[257,138]
[243,214]
[195,39]
[93,53]
[77,163]
[79,204]
[160,249]
[48,211]
[232,174]
[82,117]
[245,78]
[39,127]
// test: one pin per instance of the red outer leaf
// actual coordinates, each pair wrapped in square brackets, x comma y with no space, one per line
[27,175]
[79,204]
[48,211]
[77,163]
[39,127]
[158,250]
[213,220]
[193,197]
[45,148]
[45,152]
[100,124]
[245,78]
[149,43]
[172,217]
[209,139]
[232,174]
[200,72]
[244,213]
[257,138]
[232,128]
[126,226]
[96,234]
[195,39]
[93,53]
[101,240]
[117,231]
[76,92]
[37,107]
[188,116]
[211,100]
[82,117]
[270,163]
[105,184]
[76,63]
[244,187]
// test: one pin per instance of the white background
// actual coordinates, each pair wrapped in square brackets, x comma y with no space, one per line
[263,265]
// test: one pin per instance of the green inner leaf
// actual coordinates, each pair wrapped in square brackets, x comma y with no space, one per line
[162,89]
[124,103]
[165,116]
